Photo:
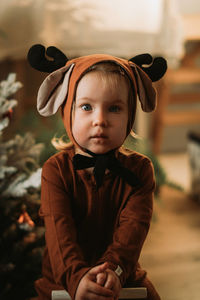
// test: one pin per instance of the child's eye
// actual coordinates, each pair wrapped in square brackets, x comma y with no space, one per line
[114,108]
[86,107]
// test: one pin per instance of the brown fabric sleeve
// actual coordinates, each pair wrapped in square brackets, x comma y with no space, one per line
[133,226]
[65,254]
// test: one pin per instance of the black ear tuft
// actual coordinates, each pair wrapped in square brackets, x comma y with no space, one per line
[142,59]
[157,68]
[37,58]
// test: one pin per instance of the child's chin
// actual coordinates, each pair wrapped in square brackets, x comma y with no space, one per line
[99,150]
[93,149]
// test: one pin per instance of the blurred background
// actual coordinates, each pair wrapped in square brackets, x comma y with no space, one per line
[170,135]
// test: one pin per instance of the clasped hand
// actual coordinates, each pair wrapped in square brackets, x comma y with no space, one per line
[100,283]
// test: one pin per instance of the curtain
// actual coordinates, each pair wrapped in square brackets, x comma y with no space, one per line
[80,27]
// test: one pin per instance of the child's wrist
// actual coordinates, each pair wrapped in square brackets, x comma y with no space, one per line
[118,271]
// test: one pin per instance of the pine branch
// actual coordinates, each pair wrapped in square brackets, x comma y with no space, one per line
[19,157]
[3,124]
[20,186]
[20,176]
[23,153]
[9,87]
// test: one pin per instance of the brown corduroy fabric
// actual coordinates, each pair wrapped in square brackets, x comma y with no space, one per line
[86,226]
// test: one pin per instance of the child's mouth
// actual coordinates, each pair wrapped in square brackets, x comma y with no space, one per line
[99,136]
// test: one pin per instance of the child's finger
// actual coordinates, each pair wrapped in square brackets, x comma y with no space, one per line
[101,278]
[88,289]
[94,288]
[98,269]
[109,282]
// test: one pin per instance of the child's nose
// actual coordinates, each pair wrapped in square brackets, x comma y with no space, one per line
[100,118]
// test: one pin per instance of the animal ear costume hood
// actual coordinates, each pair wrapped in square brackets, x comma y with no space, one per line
[58,89]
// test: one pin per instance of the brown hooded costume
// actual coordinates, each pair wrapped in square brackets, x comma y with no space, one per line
[86,226]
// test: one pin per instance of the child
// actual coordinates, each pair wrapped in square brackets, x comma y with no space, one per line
[96,197]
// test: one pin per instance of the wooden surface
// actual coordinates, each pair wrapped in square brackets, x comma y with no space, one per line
[180,86]
[126,293]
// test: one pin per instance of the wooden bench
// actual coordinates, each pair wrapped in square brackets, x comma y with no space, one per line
[126,293]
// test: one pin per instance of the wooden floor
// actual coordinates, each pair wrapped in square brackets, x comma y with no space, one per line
[177,167]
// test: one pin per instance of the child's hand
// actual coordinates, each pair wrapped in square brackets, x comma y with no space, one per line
[88,289]
[101,278]
[111,281]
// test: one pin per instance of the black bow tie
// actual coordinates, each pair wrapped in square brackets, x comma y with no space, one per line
[101,162]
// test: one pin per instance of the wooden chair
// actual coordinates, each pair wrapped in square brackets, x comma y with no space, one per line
[126,293]
[180,87]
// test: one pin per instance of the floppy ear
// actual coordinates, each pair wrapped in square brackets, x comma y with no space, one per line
[53,91]
[147,70]
[145,90]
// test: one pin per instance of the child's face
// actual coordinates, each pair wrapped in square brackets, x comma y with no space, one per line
[100,115]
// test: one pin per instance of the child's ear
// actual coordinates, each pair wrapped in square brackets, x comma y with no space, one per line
[53,91]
